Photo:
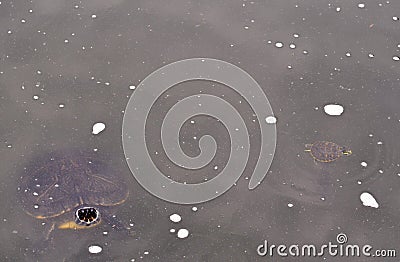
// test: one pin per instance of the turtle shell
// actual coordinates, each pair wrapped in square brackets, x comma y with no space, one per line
[325,151]
[60,182]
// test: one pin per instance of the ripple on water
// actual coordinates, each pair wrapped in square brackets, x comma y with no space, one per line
[376,159]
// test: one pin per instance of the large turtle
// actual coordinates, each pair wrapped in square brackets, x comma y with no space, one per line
[72,189]
[324,151]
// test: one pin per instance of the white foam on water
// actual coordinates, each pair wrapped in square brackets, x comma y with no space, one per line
[175,218]
[183,233]
[97,128]
[270,120]
[368,200]
[333,109]
[94,249]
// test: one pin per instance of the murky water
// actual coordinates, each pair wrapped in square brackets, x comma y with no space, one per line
[66,66]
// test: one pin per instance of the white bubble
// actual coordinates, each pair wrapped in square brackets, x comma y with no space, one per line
[333,109]
[61,105]
[146,252]
[183,233]
[270,120]
[290,205]
[23,21]
[172,230]
[279,44]
[337,9]
[292,46]
[35,97]
[395,18]
[194,209]
[132,87]
[396,58]
[98,127]
[175,218]
[370,55]
[361,5]
[295,35]
[95,249]
[364,164]
[94,16]
[35,206]
[305,52]
[66,41]
[368,200]
[348,54]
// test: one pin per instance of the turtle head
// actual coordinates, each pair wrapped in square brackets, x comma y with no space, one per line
[346,151]
[85,217]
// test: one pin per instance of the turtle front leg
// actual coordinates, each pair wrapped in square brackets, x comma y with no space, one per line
[41,245]
[48,231]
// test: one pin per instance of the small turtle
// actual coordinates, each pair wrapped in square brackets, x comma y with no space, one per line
[72,190]
[325,151]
